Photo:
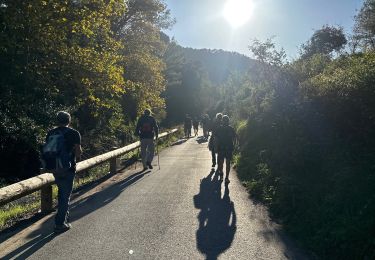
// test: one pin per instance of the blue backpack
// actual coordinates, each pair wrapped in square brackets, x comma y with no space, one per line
[55,155]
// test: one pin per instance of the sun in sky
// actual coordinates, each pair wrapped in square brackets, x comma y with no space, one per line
[238,12]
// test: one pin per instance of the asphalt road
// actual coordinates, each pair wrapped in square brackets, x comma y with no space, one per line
[179,212]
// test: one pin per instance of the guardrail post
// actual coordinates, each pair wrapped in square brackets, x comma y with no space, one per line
[46,199]
[113,165]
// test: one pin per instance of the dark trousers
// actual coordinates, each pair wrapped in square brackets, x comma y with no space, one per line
[64,184]
[227,155]
[213,154]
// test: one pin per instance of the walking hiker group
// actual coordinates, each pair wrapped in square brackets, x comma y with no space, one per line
[62,149]
[221,144]
[188,123]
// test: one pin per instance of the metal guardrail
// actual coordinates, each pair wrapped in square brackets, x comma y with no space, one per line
[45,181]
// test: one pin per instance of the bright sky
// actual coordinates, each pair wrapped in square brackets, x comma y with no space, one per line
[219,24]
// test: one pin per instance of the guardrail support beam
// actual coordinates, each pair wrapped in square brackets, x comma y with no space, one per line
[46,199]
[44,181]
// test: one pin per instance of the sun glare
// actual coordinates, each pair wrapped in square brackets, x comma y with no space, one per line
[238,12]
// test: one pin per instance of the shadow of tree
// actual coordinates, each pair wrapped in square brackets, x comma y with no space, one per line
[78,210]
[217,217]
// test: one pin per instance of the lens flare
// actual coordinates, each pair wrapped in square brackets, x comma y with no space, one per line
[238,12]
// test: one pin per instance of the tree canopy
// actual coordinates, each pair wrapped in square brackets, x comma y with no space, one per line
[324,41]
[364,29]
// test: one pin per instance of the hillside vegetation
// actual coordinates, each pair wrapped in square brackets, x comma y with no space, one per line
[307,131]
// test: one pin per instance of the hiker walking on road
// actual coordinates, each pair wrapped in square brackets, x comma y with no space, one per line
[225,139]
[212,145]
[206,125]
[195,126]
[187,126]
[147,129]
[60,153]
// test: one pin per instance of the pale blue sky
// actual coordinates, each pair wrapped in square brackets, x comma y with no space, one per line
[200,23]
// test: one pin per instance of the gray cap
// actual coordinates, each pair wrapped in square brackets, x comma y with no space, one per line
[63,118]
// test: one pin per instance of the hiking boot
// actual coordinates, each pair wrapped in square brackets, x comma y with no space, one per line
[144,168]
[149,165]
[62,228]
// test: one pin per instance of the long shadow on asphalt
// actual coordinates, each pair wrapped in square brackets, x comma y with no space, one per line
[217,217]
[87,205]
[201,139]
[178,142]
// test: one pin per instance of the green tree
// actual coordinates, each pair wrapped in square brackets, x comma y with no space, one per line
[324,41]
[175,61]
[143,53]
[364,29]
[55,55]
[266,52]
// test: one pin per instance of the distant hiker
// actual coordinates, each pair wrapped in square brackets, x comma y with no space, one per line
[225,139]
[195,126]
[147,129]
[206,125]
[59,154]
[187,126]
[212,143]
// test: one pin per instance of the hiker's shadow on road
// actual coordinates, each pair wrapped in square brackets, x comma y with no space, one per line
[78,210]
[85,206]
[201,139]
[180,141]
[217,218]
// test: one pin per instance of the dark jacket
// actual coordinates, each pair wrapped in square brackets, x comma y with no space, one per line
[187,122]
[225,138]
[147,127]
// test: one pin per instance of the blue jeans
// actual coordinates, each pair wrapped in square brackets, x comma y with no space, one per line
[65,186]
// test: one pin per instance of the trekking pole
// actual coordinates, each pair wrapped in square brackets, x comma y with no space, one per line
[137,156]
[157,150]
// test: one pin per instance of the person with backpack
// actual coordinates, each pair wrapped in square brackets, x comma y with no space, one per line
[195,126]
[147,129]
[206,125]
[59,154]
[225,139]
[212,144]
[187,126]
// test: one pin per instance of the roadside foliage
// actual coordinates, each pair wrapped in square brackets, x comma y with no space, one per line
[101,61]
[307,149]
